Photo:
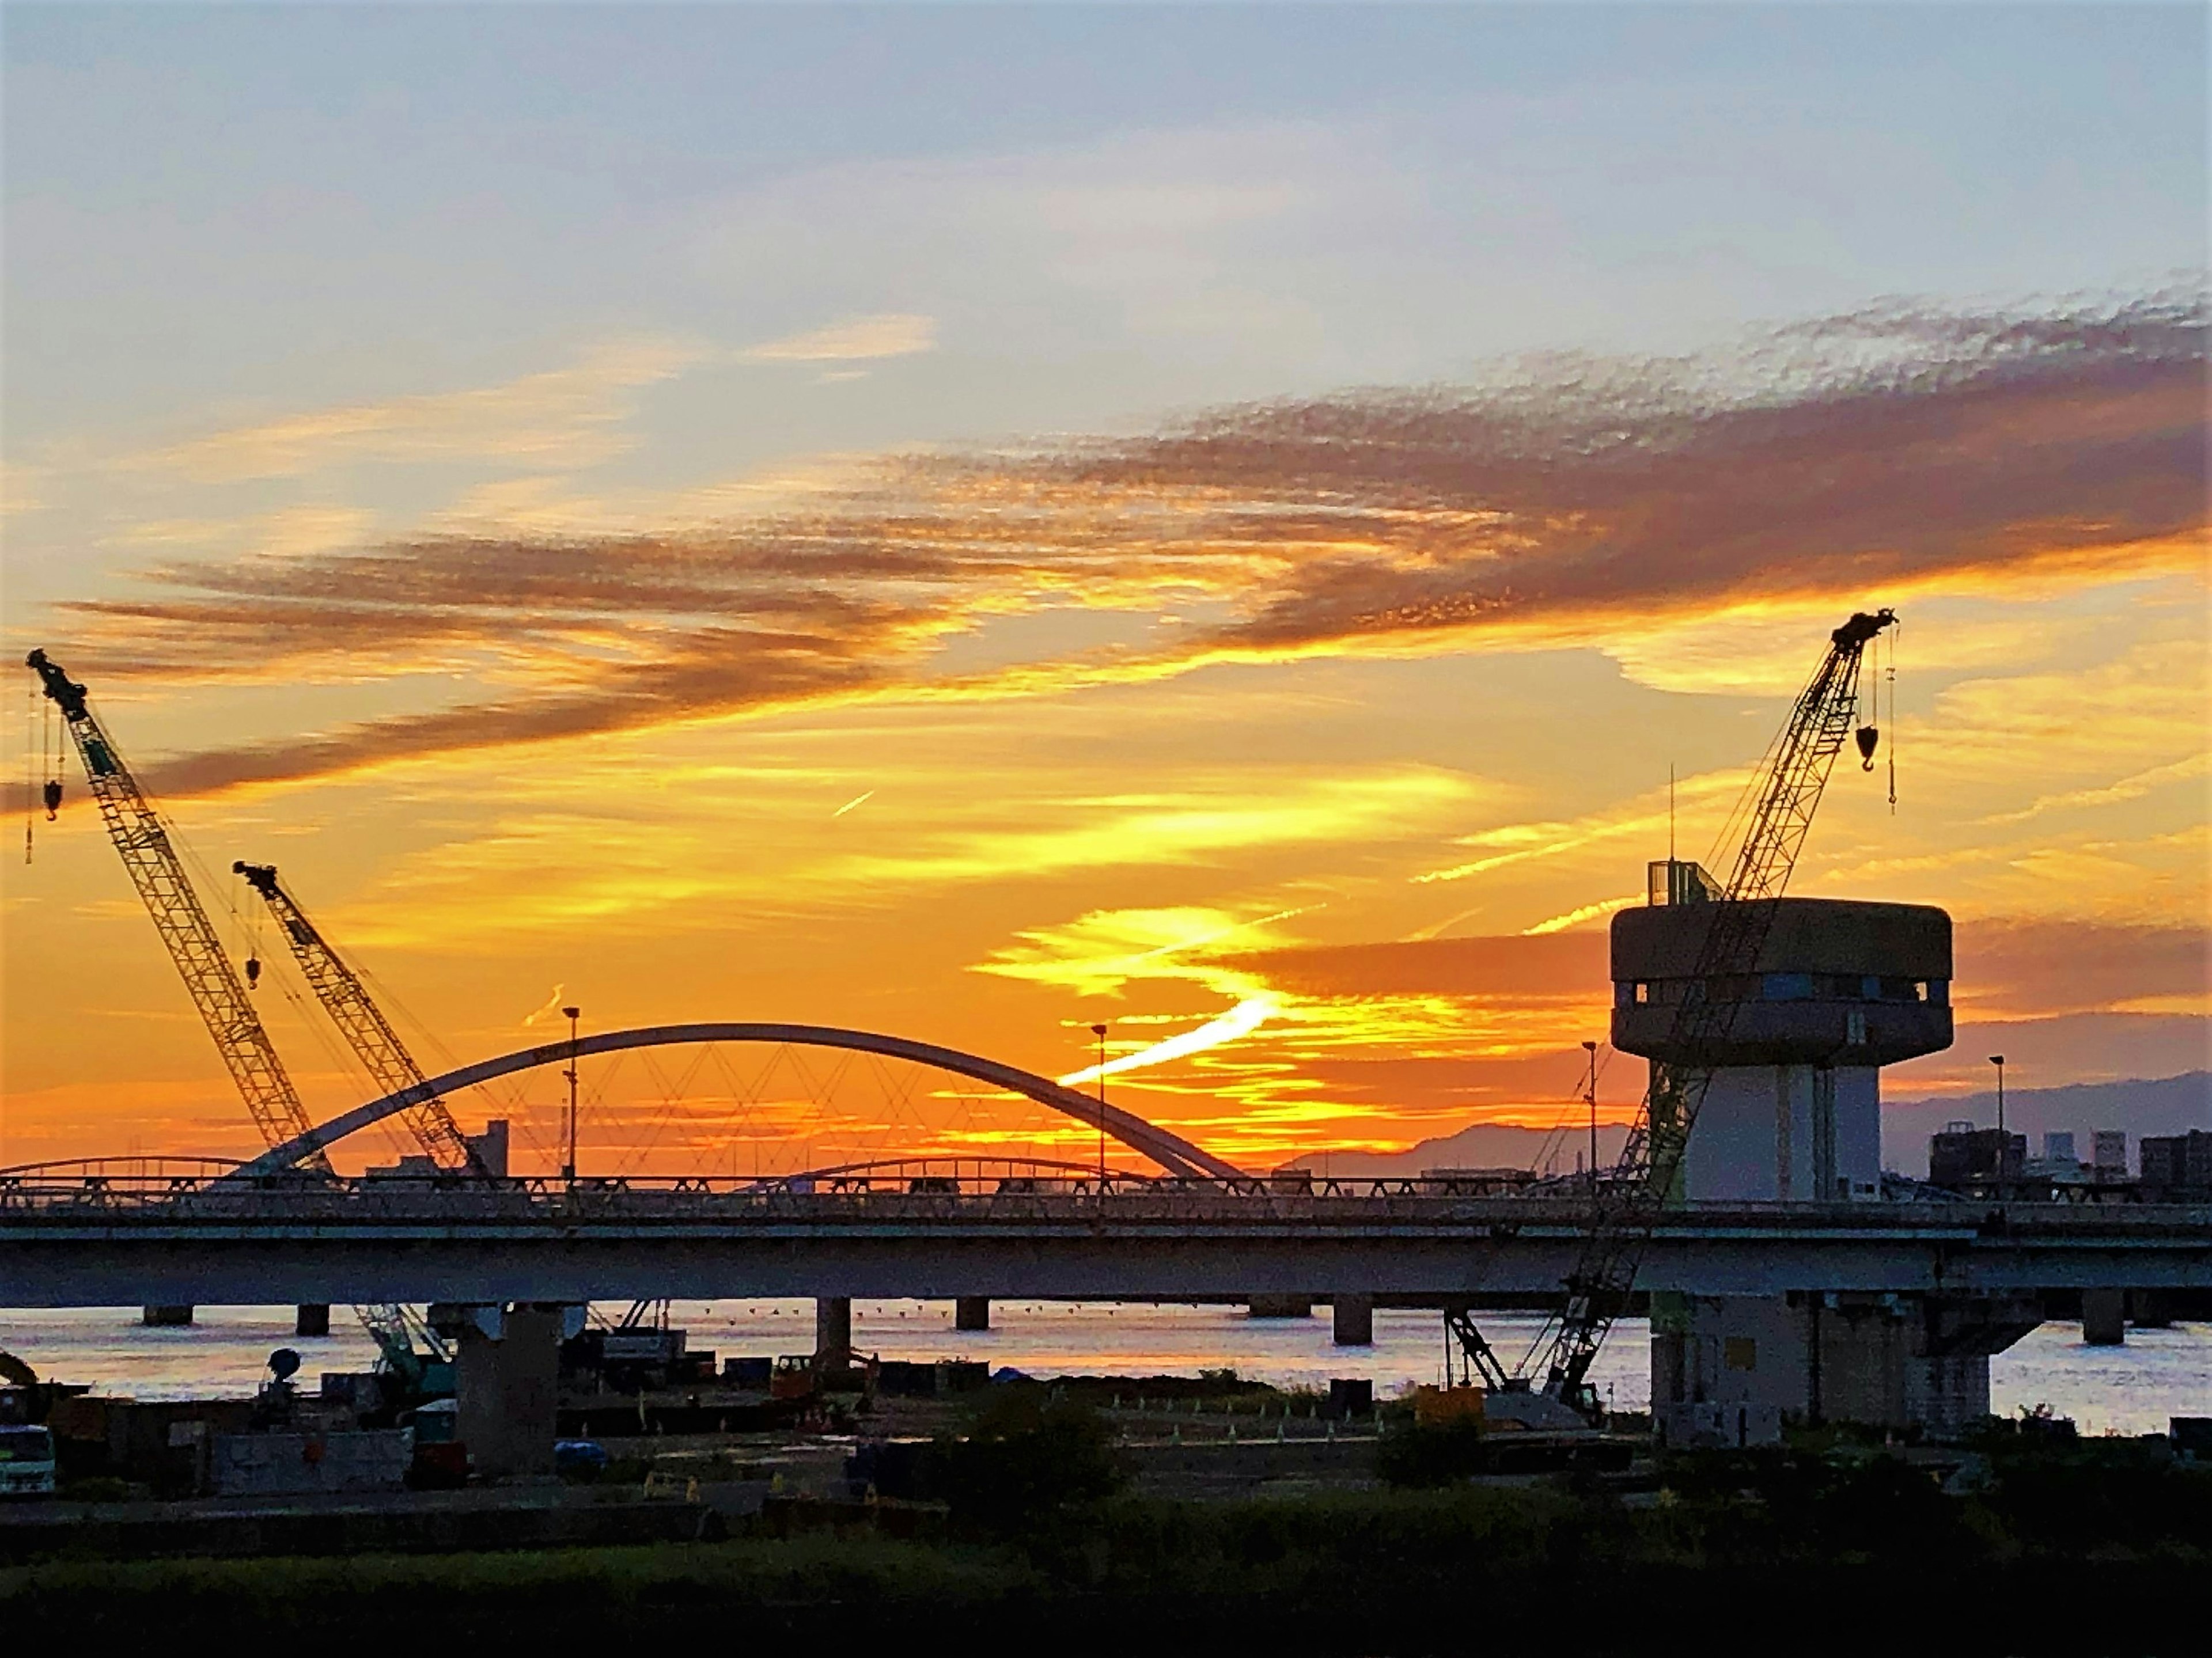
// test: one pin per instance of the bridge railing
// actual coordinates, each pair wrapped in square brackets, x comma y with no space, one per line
[47,1188]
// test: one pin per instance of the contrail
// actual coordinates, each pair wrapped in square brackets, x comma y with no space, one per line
[1241,1020]
[850,803]
[552,1005]
[1221,932]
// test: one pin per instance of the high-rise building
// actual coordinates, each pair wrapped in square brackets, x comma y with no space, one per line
[2108,1153]
[2177,1164]
[1963,1158]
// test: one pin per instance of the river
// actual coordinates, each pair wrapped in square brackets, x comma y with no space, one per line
[2131,1389]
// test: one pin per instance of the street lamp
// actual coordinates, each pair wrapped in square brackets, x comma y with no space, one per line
[1997,1059]
[1099,1031]
[568,1169]
[1589,1097]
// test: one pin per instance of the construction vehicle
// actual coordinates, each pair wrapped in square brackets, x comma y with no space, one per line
[367,1031]
[1626,1208]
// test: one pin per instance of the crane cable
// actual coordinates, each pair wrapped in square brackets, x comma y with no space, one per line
[1896,628]
[33,755]
[42,755]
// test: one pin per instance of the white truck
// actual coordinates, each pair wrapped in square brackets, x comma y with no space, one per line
[27,1461]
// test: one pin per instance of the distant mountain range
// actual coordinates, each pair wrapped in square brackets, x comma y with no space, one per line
[2160,1105]
[1483,1146]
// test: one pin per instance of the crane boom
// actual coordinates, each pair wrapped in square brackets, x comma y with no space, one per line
[1820,722]
[370,1035]
[189,938]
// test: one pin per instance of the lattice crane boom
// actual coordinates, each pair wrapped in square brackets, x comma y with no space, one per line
[1821,723]
[191,938]
[367,1031]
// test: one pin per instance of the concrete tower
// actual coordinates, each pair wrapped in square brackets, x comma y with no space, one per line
[1793,1114]
[1793,1111]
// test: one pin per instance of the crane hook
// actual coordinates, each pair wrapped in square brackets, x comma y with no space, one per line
[53,796]
[252,971]
[1869,736]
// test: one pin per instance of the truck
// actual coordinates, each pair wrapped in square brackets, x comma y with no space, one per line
[27,1461]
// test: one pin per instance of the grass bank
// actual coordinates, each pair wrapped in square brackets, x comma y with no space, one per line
[1843,1556]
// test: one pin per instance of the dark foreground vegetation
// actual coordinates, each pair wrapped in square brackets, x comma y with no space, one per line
[2027,1545]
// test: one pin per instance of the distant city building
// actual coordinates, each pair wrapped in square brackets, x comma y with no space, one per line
[490,1147]
[2057,1166]
[1964,1155]
[2108,1153]
[2177,1161]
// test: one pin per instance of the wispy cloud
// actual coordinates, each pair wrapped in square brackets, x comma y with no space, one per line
[1888,454]
[561,418]
[856,339]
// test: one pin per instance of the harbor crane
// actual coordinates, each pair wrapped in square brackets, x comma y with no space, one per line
[1627,1206]
[367,1031]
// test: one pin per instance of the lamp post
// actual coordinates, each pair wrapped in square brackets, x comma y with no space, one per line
[568,1169]
[1099,1031]
[2004,1145]
[1589,1098]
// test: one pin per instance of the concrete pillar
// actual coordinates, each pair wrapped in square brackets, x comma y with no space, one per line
[1896,1361]
[164,1318]
[1353,1321]
[832,1328]
[2150,1309]
[2104,1317]
[971,1313]
[311,1318]
[507,1388]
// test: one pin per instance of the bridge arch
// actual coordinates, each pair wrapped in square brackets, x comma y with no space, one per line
[1172,1151]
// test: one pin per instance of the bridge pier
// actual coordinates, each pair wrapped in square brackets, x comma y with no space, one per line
[2104,1317]
[311,1318]
[1352,1321]
[506,1386]
[833,1329]
[971,1313]
[1739,1365]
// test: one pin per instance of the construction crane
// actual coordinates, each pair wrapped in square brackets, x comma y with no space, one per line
[1628,1206]
[191,938]
[193,945]
[367,1031]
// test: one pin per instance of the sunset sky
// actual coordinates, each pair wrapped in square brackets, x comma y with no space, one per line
[968,523]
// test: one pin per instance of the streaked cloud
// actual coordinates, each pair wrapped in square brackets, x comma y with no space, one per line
[856,339]
[1575,502]
[21,488]
[559,419]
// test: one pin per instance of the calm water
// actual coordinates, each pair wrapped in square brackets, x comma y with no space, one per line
[2131,1389]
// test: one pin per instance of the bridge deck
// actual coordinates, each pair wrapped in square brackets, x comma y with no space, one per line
[367,1241]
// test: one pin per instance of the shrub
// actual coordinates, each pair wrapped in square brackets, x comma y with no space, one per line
[1412,1454]
[1026,1455]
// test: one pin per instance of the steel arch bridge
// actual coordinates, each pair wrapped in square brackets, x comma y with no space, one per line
[1170,1151]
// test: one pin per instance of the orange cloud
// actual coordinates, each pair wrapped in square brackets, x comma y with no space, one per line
[1897,451]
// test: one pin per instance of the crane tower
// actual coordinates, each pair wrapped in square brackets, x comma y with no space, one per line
[367,1031]
[193,945]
